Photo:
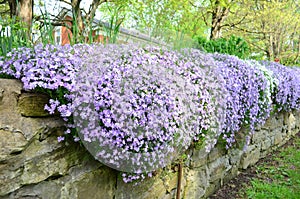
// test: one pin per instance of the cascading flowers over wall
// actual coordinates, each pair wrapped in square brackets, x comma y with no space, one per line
[248,101]
[150,104]
[136,109]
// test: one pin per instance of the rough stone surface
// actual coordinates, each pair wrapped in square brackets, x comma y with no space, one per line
[1,94]
[266,143]
[34,165]
[32,105]
[199,158]
[216,153]
[250,157]
[95,184]
[196,183]
[260,136]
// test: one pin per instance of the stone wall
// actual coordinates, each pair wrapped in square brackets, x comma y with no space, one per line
[34,165]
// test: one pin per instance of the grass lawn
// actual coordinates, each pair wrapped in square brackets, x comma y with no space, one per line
[275,177]
[278,177]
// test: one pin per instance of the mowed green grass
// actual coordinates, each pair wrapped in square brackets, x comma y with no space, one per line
[278,178]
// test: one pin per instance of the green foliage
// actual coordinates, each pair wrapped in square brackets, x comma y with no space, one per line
[170,21]
[115,21]
[4,10]
[279,179]
[233,46]
[46,31]
[13,34]
[179,40]
[292,60]
[263,190]
[6,76]
[271,29]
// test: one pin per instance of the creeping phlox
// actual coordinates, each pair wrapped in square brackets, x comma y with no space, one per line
[136,109]
[49,67]
[202,70]
[148,105]
[138,115]
[248,102]
[287,90]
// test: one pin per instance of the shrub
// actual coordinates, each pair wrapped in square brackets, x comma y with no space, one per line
[233,46]
[151,103]
[145,113]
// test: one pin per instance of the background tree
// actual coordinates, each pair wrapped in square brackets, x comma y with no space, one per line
[214,13]
[81,18]
[4,9]
[169,20]
[270,27]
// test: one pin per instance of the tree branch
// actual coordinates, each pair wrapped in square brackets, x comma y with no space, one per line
[93,7]
[260,48]
[204,19]
[235,24]
[56,23]
[66,2]
[253,32]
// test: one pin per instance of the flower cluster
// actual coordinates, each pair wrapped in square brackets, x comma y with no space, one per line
[286,94]
[137,108]
[248,103]
[48,67]
[150,103]
[202,71]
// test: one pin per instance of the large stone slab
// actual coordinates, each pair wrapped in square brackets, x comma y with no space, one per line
[32,104]
[34,165]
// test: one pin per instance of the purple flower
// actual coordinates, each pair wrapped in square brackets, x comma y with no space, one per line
[136,106]
[60,138]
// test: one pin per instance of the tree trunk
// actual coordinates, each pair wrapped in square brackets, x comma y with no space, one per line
[81,21]
[219,14]
[23,10]
[77,15]
[270,54]
[26,12]
[12,8]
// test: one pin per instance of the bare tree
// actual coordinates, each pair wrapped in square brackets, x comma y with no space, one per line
[214,14]
[80,17]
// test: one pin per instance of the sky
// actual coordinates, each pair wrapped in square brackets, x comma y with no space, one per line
[55,6]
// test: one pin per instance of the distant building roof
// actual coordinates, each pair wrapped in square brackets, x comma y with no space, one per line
[124,34]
